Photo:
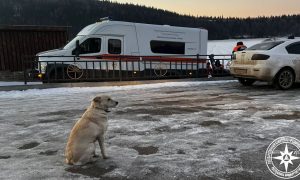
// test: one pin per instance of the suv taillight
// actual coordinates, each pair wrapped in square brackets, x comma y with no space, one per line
[260,57]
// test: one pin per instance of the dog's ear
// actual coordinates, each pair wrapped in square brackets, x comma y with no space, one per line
[97,99]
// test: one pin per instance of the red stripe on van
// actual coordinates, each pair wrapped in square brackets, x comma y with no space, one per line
[146,58]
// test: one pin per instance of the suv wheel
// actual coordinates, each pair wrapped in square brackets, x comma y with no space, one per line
[246,82]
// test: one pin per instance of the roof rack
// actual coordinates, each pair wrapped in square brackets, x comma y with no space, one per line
[106,19]
[291,37]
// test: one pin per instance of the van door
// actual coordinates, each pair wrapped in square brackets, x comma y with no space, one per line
[115,45]
[114,48]
[90,48]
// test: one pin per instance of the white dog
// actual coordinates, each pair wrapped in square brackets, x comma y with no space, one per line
[90,128]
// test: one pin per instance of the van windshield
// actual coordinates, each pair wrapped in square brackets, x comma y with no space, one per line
[265,45]
[72,44]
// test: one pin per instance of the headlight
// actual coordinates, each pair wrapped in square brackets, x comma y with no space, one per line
[43,66]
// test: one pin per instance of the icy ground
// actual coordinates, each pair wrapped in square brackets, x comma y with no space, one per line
[179,130]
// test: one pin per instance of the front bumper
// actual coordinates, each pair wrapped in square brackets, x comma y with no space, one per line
[36,75]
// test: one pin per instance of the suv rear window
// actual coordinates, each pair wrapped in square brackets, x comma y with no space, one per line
[294,48]
[265,45]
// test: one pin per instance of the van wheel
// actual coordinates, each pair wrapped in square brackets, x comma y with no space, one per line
[246,82]
[60,75]
[74,71]
[284,79]
[160,69]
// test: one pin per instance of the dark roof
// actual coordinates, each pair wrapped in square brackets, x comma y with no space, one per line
[33,28]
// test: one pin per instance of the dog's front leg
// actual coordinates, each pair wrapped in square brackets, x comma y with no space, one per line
[94,152]
[101,144]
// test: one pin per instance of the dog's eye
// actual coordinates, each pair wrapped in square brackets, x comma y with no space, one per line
[109,99]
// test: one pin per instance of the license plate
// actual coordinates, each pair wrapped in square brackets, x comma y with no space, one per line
[240,71]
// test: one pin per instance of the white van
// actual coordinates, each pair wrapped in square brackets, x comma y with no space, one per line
[110,40]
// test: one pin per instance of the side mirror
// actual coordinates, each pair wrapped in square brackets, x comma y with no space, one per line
[77,49]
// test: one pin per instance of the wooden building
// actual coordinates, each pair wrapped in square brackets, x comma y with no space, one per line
[19,44]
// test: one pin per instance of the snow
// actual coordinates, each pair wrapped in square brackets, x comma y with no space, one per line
[105,89]
[226,46]
[175,130]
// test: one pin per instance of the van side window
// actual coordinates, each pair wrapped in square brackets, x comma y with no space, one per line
[114,46]
[293,48]
[91,45]
[167,47]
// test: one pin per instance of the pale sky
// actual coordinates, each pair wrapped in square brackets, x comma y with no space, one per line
[227,8]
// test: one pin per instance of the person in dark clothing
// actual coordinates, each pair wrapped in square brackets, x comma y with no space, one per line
[218,64]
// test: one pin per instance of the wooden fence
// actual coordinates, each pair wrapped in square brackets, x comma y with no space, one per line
[19,44]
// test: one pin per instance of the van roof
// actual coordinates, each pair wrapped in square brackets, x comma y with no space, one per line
[94,28]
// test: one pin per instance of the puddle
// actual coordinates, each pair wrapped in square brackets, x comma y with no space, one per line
[146,150]
[207,143]
[210,123]
[168,129]
[50,120]
[180,151]
[29,145]
[218,104]
[23,125]
[244,175]
[147,118]
[94,170]
[49,152]
[5,157]
[159,111]
[173,92]
[72,112]
[294,116]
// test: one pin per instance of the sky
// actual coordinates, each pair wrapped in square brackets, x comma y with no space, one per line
[226,8]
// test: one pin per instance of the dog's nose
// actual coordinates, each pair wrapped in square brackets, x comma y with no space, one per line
[117,102]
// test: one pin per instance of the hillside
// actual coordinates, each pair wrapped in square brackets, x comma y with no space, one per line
[79,13]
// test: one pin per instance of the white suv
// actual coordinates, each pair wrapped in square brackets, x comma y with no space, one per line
[276,61]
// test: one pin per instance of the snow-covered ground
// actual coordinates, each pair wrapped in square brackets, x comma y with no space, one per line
[178,130]
[226,46]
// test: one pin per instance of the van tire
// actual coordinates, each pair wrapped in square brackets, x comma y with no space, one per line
[284,79]
[246,82]
[60,75]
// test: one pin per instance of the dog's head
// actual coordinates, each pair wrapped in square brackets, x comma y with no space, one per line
[104,103]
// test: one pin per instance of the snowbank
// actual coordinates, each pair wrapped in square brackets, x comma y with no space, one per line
[105,89]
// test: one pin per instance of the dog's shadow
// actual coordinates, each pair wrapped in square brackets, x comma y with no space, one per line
[96,169]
